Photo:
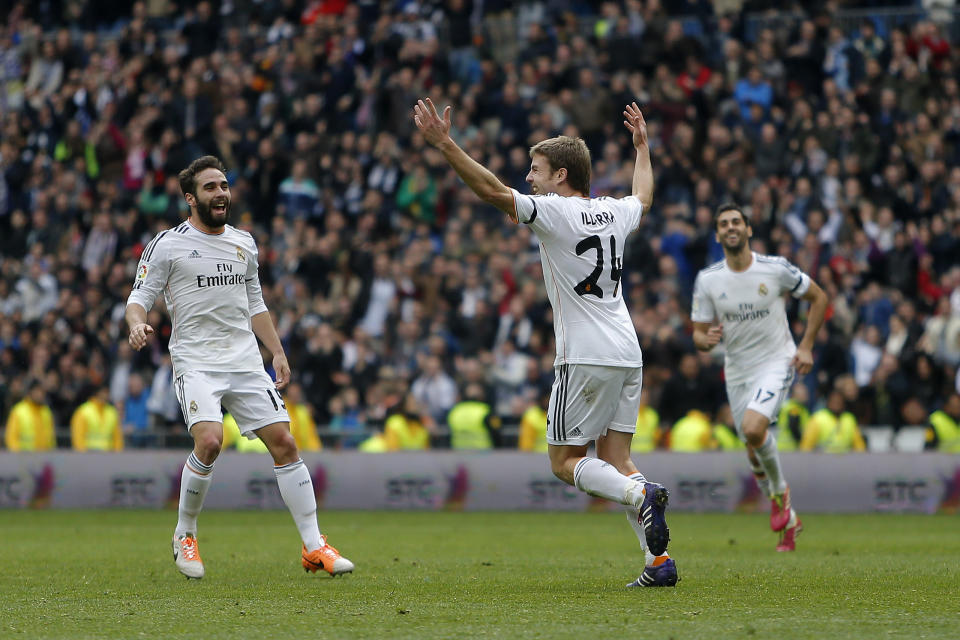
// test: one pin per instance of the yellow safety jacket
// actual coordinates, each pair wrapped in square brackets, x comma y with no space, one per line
[645,437]
[533,430]
[374,444]
[233,438]
[95,426]
[947,431]
[303,428]
[691,433]
[30,427]
[467,422]
[405,434]
[791,411]
[727,438]
[831,434]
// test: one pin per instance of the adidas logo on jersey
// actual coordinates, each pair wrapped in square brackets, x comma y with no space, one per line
[194,254]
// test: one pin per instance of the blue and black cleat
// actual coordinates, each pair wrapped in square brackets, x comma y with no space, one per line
[651,517]
[662,575]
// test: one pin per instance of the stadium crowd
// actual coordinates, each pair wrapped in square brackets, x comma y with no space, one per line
[395,291]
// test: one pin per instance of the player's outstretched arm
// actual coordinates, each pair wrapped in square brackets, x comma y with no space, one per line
[436,131]
[705,336]
[140,331]
[263,327]
[803,360]
[643,169]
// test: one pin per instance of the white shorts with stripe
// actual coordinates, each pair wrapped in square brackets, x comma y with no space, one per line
[765,393]
[587,400]
[251,398]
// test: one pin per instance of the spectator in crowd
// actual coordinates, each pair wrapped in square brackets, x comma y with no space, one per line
[136,419]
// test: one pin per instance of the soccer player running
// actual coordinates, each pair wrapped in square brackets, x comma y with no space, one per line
[207,271]
[744,292]
[598,367]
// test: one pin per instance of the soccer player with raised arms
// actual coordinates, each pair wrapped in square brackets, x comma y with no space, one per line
[744,294]
[598,366]
[208,273]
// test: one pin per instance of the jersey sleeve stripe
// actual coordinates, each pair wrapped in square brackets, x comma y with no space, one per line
[533,216]
[153,245]
[799,282]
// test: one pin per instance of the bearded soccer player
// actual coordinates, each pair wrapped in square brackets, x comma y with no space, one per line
[208,273]
[598,367]
[744,294]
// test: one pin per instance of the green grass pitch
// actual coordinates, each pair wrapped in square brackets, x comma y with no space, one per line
[110,574]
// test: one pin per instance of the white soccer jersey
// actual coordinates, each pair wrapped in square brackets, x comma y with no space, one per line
[212,289]
[581,248]
[749,304]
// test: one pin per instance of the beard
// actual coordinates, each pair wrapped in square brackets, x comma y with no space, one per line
[208,218]
[737,246]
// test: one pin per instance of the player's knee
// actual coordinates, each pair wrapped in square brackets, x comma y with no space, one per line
[284,448]
[208,447]
[755,433]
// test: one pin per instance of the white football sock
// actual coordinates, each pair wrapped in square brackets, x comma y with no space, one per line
[296,489]
[598,478]
[633,517]
[762,480]
[194,483]
[769,457]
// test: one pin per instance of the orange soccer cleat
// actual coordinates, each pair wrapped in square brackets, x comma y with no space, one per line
[186,555]
[326,558]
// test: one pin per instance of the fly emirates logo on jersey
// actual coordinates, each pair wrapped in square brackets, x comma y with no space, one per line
[225,277]
[745,312]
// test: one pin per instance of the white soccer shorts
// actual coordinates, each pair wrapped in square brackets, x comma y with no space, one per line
[765,394]
[587,400]
[251,398]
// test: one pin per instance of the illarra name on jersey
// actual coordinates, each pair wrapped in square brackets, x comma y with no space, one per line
[597,219]
[224,278]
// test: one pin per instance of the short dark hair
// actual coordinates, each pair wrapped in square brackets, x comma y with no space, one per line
[572,154]
[729,206]
[188,177]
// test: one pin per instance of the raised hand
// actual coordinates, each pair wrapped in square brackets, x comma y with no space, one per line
[635,124]
[434,128]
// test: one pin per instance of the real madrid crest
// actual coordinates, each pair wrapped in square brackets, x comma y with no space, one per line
[241,254]
[762,290]
[193,406]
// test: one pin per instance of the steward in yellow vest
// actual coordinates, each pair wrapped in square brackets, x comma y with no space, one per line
[832,429]
[943,432]
[726,438]
[95,425]
[232,437]
[791,423]
[648,430]
[30,423]
[533,430]
[692,433]
[405,430]
[374,444]
[302,426]
[470,423]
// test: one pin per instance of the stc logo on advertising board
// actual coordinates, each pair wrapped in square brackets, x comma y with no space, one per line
[918,494]
[425,491]
[33,490]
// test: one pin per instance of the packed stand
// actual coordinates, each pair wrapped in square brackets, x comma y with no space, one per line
[400,296]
